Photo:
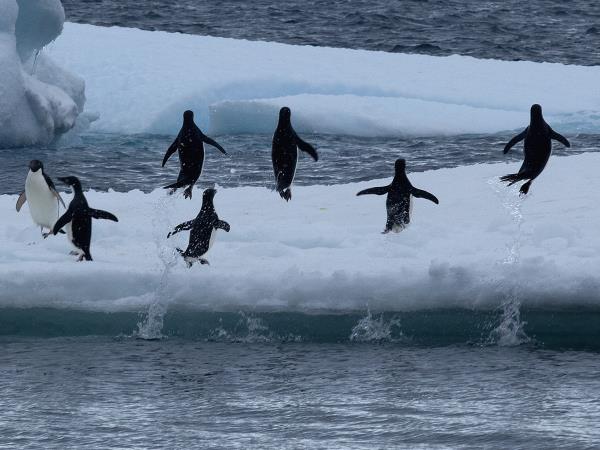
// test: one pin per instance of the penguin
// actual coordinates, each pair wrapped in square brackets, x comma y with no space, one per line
[398,202]
[537,148]
[285,153]
[204,229]
[190,144]
[43,197]
[79,216]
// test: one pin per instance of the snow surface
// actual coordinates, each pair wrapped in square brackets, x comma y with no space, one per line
[141,81]
[39,100]
[324,250]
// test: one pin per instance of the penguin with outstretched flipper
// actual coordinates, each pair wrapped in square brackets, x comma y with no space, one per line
[203,230]
[79,216]
[398,202]
[190,145]
[537,149]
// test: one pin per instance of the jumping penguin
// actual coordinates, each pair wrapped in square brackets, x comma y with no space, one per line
[79,216]
[190,144]
[398,203]
[42,196]
[285,153]
[204,229]
[537,148]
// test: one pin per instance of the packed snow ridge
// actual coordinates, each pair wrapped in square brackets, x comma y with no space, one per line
[39,100]
[324,249]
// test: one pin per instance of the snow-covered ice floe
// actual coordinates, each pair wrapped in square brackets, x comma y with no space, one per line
[141,81]
[324,252]
[39,100]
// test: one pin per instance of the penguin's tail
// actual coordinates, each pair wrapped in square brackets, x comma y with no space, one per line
[512,178]
[286,195]
[181,252]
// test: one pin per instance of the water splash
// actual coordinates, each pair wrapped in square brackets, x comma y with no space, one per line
[151,325]
[370,329]
[511,329]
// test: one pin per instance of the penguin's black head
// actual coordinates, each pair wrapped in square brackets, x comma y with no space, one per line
[188,116]
[209,194]
[284,115]
[71,181]
[35,165]
[400,165]
[536,112]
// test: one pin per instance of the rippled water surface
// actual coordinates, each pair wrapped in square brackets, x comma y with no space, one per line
[121,393]
[123,163]
[538,30]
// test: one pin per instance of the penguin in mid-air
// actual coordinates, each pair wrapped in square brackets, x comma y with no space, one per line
[204,229]
[537,148]
[42,196]
[190,144]
[79,216]
[285,153]
[398,203]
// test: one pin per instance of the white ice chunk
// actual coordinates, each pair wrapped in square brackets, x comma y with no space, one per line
[38,99]
[141,81]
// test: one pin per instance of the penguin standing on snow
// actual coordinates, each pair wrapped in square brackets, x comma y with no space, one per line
[537,148]
[285,153]
[204,229]
[79,216]
[42,196]
[190,144]
[398,203]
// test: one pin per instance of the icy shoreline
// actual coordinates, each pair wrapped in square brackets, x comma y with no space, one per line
[324,250]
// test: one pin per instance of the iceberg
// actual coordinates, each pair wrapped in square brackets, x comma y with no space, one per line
[39,100]
[141,81]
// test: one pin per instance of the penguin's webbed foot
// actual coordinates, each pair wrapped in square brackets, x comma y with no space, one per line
[188,193]
[525,189]
[171,191]
[45,235]
[74,253]
[286,195]
[204,261]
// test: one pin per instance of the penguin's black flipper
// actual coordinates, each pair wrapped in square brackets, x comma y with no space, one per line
[513,141]
[100,214]
[306,147]
[181,227]
[62,221]
[375,191]
[214,143]
[172,149]
[21,201]
[559,137]
[222,225]
[419,193]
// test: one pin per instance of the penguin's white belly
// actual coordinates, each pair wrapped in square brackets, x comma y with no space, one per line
[43,205]
[213,236]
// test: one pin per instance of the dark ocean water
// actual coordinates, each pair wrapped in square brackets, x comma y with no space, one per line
[123,163]
[123,393]
[538,30]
